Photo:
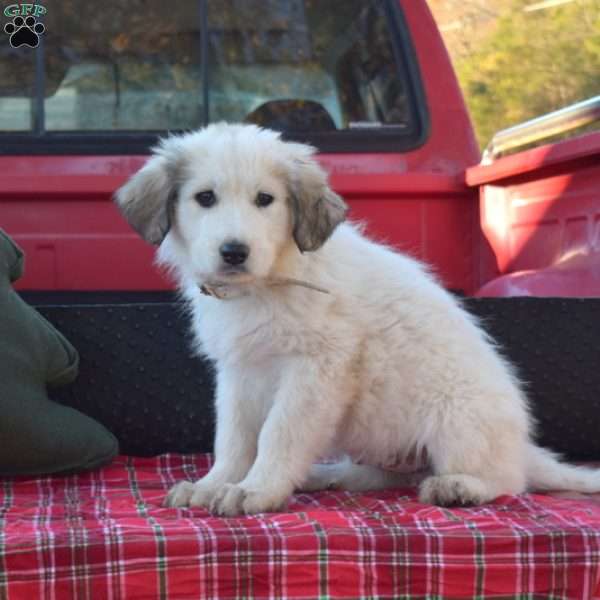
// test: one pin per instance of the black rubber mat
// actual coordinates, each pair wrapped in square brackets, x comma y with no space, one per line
[138,376]
[555,343]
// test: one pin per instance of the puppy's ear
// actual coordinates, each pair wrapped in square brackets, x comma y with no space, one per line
[147,200]
[316,209]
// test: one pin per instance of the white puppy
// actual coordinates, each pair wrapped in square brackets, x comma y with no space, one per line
[372,357]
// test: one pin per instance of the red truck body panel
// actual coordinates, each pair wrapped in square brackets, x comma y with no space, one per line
[540,210]
[59,209]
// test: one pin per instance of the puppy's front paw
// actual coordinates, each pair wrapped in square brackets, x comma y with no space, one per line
[229,500]
[190,494]
[179,495]
[234,499]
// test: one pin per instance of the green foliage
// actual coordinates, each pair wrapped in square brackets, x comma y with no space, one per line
[531,63]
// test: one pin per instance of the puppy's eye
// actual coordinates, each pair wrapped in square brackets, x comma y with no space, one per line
[263,199]
[206,198]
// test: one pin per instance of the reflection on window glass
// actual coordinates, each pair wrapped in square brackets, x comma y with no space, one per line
[308,65]
[304,64]
[17,77]
[126,65]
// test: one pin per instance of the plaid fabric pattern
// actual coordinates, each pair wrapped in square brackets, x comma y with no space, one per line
[105,535]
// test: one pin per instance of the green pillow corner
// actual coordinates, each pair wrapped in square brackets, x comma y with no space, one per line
[38,436]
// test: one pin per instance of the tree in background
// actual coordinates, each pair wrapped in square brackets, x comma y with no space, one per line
[518,59]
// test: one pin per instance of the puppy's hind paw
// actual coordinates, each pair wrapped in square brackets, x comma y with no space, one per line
[454,490]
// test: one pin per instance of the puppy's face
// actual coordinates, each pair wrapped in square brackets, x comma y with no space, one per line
[231,198]
[232,213]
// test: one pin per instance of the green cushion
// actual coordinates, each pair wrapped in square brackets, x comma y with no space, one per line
[39,436]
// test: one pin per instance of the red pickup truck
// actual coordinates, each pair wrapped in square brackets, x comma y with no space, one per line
[376,95]
[370,84]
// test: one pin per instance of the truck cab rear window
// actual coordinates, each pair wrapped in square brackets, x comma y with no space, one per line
[327,71]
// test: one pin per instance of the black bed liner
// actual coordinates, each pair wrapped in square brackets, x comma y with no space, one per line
[139,378]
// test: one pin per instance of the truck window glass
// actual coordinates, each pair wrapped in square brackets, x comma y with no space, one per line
[295,65]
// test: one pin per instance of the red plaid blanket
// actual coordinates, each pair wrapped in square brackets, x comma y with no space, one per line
[105,535]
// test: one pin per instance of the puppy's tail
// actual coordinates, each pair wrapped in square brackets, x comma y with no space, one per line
[546,472]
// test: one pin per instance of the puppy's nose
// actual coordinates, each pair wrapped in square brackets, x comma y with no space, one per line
[234,253]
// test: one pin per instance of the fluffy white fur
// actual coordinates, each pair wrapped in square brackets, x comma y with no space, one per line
[387,367]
